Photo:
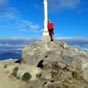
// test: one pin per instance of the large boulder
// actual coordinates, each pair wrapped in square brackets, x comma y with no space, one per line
[37,51]
[23,72]
[57,59]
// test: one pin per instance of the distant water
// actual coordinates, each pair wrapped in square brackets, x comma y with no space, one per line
[15,54]
[12,48]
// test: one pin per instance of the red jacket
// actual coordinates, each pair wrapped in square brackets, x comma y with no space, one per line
[50,26]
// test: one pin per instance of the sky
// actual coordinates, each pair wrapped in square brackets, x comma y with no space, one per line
[25,18]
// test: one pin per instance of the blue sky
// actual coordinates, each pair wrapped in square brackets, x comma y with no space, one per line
[24,18]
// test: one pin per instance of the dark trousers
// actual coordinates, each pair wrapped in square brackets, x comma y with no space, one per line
[51,33]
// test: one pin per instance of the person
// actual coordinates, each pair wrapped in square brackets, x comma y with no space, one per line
[51,29]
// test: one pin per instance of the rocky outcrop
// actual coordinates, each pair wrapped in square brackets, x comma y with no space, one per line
[47,65]
[5,63]
[15,75]
[59,62]
[35,52]
[32,71]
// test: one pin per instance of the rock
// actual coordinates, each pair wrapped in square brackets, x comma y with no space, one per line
[58,61]
[5,63]
[21,71]
[37,51]
[6,81]
[24,70]
[11,68]
[47,65]
[46,74]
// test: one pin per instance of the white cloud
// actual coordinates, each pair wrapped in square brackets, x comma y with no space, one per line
[11,20]
[76,41]
[26,26]
[59,5]
[34,27]
[80,42]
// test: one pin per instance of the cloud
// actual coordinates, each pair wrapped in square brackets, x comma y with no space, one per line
[11,20]
[10,15]
[60,5]
[80,42]
[15,43]
[26,26]
[34,27]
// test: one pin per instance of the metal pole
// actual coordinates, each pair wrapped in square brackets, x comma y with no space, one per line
[46,37]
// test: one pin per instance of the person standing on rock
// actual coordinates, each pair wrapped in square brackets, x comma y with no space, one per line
[51,29]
